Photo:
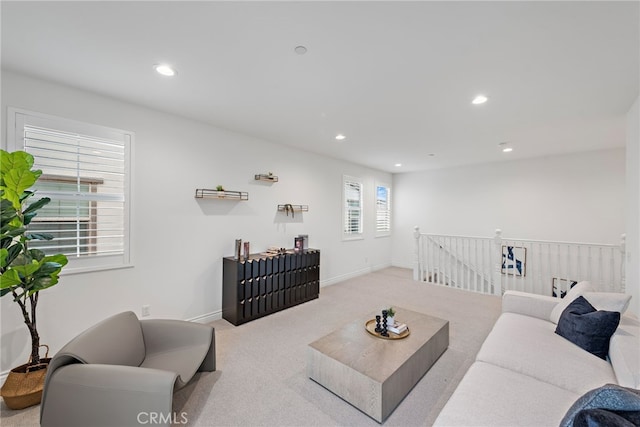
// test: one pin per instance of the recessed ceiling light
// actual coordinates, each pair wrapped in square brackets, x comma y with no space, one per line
[340,137]
[398,165]
[479,99]
[300,50]
[505,147]
[165,70]
[431,154]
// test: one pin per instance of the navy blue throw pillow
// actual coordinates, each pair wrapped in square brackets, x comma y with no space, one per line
[587,327]
[606,406]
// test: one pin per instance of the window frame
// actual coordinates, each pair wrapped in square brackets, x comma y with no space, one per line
[388,210]
[15,141]
[359,235]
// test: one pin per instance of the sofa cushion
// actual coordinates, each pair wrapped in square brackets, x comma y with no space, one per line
[489,395]
[609,396]
[624,352]
[573,293]
[608,301]
[528,345]
[588,328]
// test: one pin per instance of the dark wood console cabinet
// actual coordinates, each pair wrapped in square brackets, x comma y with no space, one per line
[261,285]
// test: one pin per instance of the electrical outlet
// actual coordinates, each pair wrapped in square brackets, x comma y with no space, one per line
[146,310]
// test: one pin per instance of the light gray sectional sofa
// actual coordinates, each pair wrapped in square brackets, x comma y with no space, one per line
[527,375]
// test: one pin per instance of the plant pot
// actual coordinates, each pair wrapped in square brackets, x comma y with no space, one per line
[390,321]
[24,384]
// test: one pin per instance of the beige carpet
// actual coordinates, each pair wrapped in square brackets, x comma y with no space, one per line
[261,379]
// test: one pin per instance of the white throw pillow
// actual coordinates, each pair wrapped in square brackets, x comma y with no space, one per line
[573,293]
[608,301]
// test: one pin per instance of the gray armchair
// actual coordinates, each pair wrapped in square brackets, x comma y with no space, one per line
[123,371]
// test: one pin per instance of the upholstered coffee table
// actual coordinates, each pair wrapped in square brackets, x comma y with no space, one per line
[375,374]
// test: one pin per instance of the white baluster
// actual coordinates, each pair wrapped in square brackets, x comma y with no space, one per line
[497,269]
[623,260]
[416,255]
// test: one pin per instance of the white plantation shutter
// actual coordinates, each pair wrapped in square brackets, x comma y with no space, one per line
[383,210]
[352,207]
[85,172]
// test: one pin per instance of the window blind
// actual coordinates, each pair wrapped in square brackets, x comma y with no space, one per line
[85,172]
[352,194]
[383,210]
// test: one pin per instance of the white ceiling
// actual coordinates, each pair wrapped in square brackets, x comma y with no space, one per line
[395,77]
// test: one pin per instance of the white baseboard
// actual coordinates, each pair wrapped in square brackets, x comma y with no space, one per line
[361,272]
[207,317]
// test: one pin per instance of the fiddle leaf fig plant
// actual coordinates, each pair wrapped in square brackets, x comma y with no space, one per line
[24,272]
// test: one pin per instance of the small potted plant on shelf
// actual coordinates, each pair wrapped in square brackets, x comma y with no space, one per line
[24,271]
[220,190]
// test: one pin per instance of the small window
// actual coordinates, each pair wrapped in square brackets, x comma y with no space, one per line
[85,172]
[352,208]
[383,210]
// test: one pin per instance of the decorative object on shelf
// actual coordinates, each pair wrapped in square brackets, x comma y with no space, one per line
[305,241]
[370,326]
[246,250]
[391,313]
[270,177]
[24,272]
[298,244]
[288,207]
[274,250]
[219,188]
[238,252]
[202,193]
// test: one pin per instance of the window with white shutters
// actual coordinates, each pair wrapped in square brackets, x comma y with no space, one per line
[352,207]
[383,210]
[85,172]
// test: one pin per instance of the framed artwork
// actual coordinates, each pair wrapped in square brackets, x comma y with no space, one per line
[514,260]
[561,286]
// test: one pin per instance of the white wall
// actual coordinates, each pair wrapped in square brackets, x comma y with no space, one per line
[578,197]
[179,241]
[633,207]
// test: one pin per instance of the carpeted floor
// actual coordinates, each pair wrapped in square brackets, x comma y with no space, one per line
[261,378]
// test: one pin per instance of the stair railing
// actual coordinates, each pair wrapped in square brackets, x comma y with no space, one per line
[494,264]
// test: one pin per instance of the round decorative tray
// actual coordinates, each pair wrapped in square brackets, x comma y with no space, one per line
[370,326]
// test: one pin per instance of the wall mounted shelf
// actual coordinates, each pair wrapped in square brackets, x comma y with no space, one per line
[205,193]
[266,177]
[295,208]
